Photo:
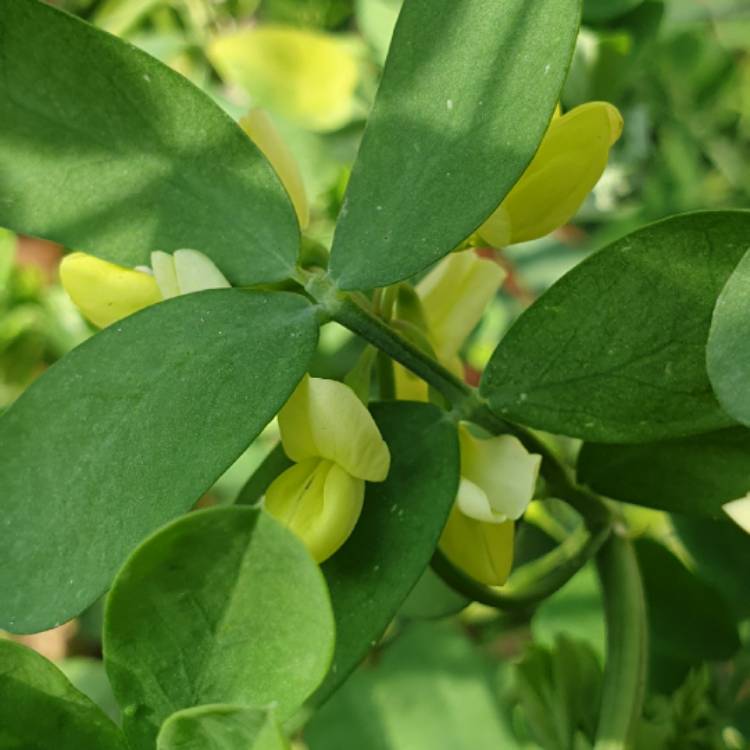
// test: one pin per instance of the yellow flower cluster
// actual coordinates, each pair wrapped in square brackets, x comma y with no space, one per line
[325,429]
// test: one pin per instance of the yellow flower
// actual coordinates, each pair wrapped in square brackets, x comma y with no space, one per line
[105,292]
[569,162]
[454,296]
[337,446]
[498,477]
[306,76]
[257,124]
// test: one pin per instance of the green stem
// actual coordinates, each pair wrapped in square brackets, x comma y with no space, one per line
[374,330]
[532,582]
[625,670]
[386,378]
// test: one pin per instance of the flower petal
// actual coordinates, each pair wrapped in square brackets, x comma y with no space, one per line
[502,468]
[306,76]
[473,502]
[319,502]
[409,387]
[454,296]
[196,272]
[324,418]
[258,125]
[739,511]
[105,292]
[483,550]
[165,274]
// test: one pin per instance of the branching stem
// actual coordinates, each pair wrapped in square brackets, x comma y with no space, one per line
[465,401]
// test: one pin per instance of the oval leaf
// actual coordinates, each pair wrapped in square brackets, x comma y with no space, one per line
[128,431]
[372,574]
[720,553]
[602,11]
[107,150]
[694,475]
[431,689]
[467,92]
[221,727]
[688,619]
[728,351]
[230,598]
[39,708]
[615,350]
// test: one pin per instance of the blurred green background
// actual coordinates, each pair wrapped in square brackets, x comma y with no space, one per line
[445,676]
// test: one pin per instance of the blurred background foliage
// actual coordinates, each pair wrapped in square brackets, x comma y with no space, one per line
[447,675]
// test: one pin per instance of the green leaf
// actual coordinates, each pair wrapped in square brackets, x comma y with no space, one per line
[575,611]
[694,475]
[376,20]
[728,351]
[688,619]
[615,350]
[40,709]
[466,96]
[393,542]
[430,690]
[559,690]
[221,606]
[720,553]
[120,16]
[7,259]
[89,676]
[601,11]
[221,727]
[432,599]
[128,431]
[107,150]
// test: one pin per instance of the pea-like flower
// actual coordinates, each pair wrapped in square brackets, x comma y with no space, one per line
[105,292]
[498,477]
[567,165]
[337,447]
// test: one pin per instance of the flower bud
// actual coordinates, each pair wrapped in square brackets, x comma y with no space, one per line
[258,125]
[454,296]
[319,502]
[105,292]
[567,165]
